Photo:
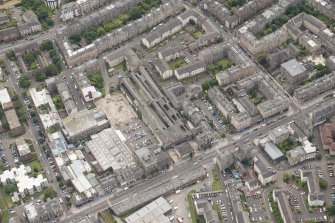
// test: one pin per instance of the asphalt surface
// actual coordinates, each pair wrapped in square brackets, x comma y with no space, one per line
[33,130]
[111,199]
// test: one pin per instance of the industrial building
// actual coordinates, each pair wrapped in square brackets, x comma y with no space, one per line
[162,119]
[273,152]
[163,189]
[154,211]
[84,123]
[110,151]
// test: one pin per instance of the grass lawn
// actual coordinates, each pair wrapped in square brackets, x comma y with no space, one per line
[118,66]
[287,145]
[191,206]
[256,97]
[197,34]
[2,169]
[216,207]
[303,185]
[276,212]
[35,166]
[216,185]
[107,217]
[177,63]
[218,66]
[4,212]
[7,198]
[97,81]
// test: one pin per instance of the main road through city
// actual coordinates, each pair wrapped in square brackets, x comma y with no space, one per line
[109,200]
[112,199]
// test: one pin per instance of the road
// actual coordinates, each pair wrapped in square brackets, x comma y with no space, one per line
[108,200]
[112,199]
[33,130]
[45,35]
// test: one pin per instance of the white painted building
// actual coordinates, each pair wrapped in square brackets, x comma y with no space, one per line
[53,4]
[26,185]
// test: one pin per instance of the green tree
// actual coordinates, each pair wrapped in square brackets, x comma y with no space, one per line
[10,188]
[287,177]
[42,13]
[49,193]
[30,58]
[97,81]
[11,55]
[34,119]
[39,75]
[331,210]
[54,128]
[47,45]
[319,67]
[49,22]
[58,102]
[24,81]
[53,53]
[135,13]
[75,38]
[52,70]
[90,35]
[310,209]
[33,66]
[206,85]
[68,201]
[323,184]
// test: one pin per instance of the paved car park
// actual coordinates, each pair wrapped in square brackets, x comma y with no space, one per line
[257,209]
[212,115]
[139,135]
[179,203]
[4,159]
[221,200]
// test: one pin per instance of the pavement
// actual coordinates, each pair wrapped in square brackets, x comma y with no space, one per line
[102,202]
[33,132]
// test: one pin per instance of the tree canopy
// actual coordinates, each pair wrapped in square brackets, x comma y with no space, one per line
[24,81]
